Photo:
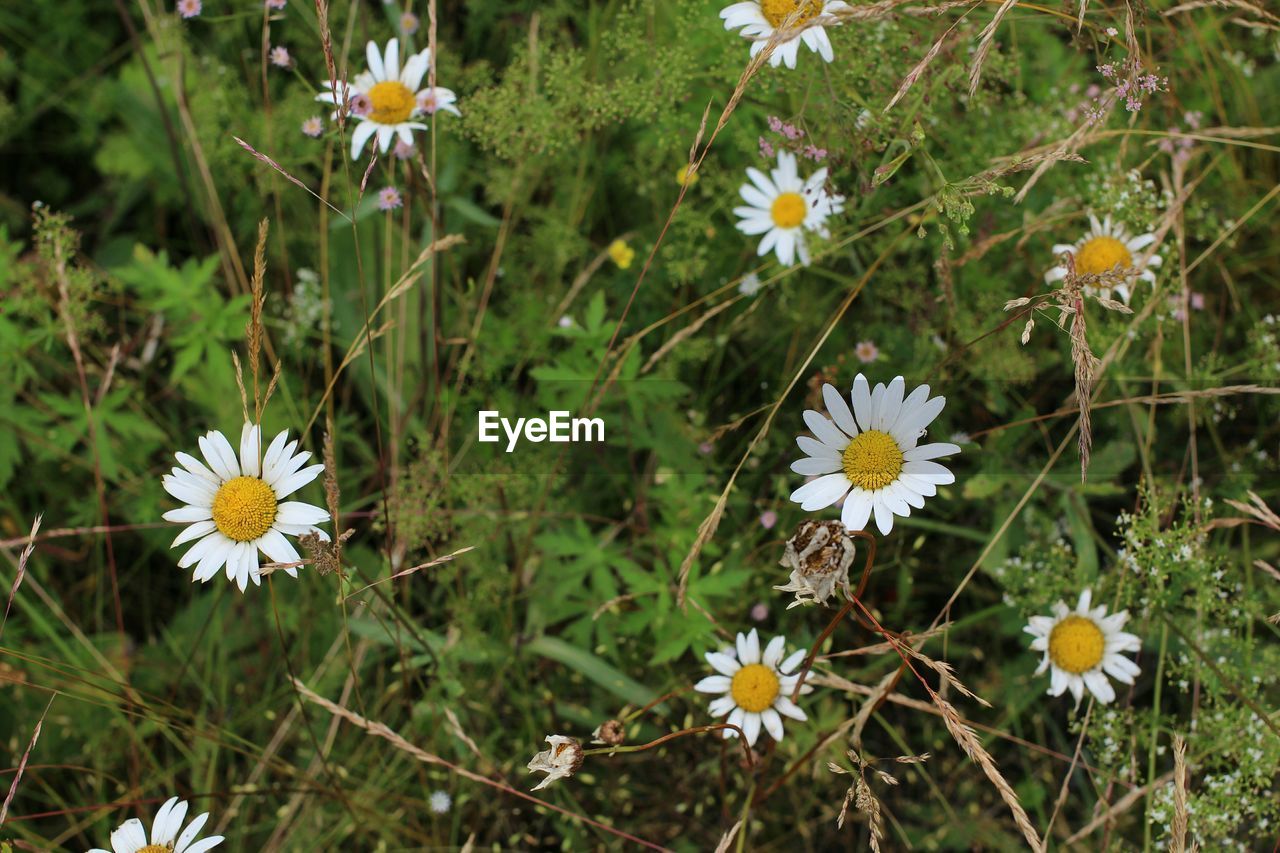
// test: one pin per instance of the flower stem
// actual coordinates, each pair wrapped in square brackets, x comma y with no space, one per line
[696,730]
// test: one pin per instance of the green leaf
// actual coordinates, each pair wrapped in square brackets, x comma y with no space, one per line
[595,669]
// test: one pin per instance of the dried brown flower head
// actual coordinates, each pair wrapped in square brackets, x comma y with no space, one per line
[819,556]
[610,733]
[560,760]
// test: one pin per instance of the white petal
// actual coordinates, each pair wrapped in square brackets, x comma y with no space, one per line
[751,728]
[391,60]
[787,708]
[861,397]
[714,684]
[856,510]
[810,466]
[374,58]
[792,661]
[817,449]
[277,548]
[839,410]
[749,647]
[720,707]
[292,483]
[204,844]
[884,517]
[192,464]
[297,512]
[929,471]
[772,723]
[218,453]
[193,531]
[188,513]
[890,404]
[773,652]
[275,465]
[251,450]
[360,136]
[1099,686]
[722,663]
[735,719]
[215,559]
[926,452]
[908,427]
[130,837]
[191,491]
[198,551]
[822,492]
[825,430]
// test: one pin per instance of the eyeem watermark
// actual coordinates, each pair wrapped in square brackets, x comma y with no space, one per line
[557,427]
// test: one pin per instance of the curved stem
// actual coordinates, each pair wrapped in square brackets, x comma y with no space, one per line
[843,612]
[696,730]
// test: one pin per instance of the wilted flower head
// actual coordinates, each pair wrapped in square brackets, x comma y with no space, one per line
[389,199]
[610,733]
[560,761]
[819,556]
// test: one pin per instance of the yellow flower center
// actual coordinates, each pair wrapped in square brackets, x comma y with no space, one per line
[156,848]
[244,508]
[683,177]
[1101,254]
[872,460]
[788,210]
[391,102]
[776,11]
[1076,644]
[754,687]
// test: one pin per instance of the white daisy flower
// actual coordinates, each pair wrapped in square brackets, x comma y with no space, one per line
[759,19]
[1106,246]
[757,686]
[869,456]
[783,207]
[559,761]
[393,97]
[1081,645]
[131,837]
[236,507]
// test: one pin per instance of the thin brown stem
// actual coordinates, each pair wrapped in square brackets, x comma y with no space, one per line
[696,730]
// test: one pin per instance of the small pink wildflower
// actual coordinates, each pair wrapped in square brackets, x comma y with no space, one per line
[189,8]
[409,23]
[866,351]
[766,148]
[428,103]
[815,153]
[389,199]
[768,519]
[705,448]
[402,151]
[790,131]
[1197,301]
[359,105]
[759,612]
[313,127]
[276,5]
[280,56]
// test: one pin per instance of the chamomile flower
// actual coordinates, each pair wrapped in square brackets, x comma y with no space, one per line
[236,507]
[1082,647]
[782,207]
[393,97]
[759,19]
[1107,246]
[131,837]
[870,456]
[757,686]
